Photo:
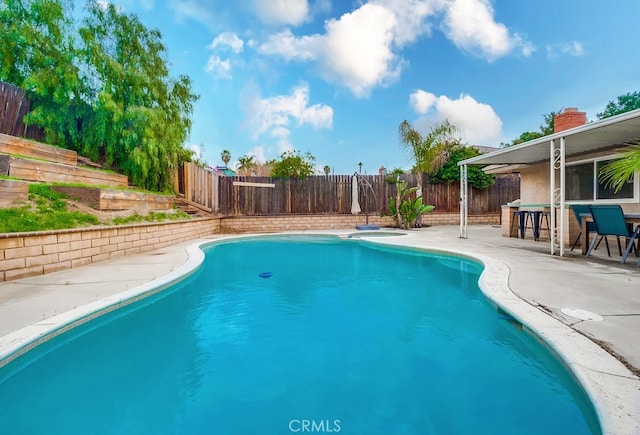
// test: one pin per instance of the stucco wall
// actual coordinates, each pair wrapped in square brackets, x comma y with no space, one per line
[535,189]
[535,184]
[510,226]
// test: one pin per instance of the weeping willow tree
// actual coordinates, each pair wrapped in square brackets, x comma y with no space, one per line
[37,54]
[616,173]
[141,116]
[104,91]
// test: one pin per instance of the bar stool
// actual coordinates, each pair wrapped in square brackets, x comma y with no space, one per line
[539,217]
[523,217]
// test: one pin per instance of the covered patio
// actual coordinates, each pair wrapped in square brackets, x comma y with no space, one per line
[543,166]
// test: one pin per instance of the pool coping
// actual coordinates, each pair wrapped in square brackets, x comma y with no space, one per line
[609,385]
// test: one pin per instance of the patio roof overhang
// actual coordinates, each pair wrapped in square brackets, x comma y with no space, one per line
[606,134]
[599,135]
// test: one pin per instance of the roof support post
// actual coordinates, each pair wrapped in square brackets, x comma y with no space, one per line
[552,197]
[563,211]
[464,202]
[557,200]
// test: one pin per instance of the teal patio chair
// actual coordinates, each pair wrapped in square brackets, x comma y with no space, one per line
[579,209]
[608,220]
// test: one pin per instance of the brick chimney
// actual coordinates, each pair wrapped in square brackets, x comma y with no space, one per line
[569,118]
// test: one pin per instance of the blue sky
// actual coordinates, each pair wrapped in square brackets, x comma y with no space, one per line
[336,78]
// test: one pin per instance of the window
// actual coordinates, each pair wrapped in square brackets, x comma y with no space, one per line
[582,183]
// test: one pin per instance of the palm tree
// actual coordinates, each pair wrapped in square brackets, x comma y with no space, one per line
[428,152]
[618,172]
[245,165]
[326,169]
[225,155]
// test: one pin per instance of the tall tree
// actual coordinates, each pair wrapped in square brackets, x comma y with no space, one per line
[624,103]
[545,129]
[548,127]
[293,164]
[427,152]
[450,171]
[225,155]
[38,55]
[246,164]
[141,116]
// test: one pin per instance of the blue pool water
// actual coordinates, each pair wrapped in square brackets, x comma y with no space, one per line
[335,336]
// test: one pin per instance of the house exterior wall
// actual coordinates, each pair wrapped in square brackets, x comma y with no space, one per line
[534,184]
[535,189]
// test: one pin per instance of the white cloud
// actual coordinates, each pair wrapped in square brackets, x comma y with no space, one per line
[361,49]
[286,45]
[411,17]
[274,116]
[197,151]
[192,10]
[478,122]
[421,101]
[227,40]
[355,52]
[471,26]
[289,12]
[258,153]
[572,48]
[218,67]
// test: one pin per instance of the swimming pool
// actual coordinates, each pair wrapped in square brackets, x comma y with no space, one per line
[343,334]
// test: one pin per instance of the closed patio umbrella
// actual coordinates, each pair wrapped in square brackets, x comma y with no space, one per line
[355,205]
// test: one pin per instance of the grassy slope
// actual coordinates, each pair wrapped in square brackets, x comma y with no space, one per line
[48,210]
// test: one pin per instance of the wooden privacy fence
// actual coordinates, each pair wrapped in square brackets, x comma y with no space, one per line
[14,105]
[332,194]
[199,186]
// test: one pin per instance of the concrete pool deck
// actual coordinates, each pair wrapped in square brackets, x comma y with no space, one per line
[541,291]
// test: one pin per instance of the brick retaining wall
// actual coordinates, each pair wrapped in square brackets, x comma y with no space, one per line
[36,253]
[269,224]
[272,224]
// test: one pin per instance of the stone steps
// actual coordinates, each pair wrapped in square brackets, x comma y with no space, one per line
[32,161]
[112,199]
[36,150]
[50,172]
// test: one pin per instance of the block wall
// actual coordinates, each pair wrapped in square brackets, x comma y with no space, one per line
[36,253]
[261,224]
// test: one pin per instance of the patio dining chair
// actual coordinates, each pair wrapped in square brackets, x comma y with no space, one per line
[609,220]
[579,209]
